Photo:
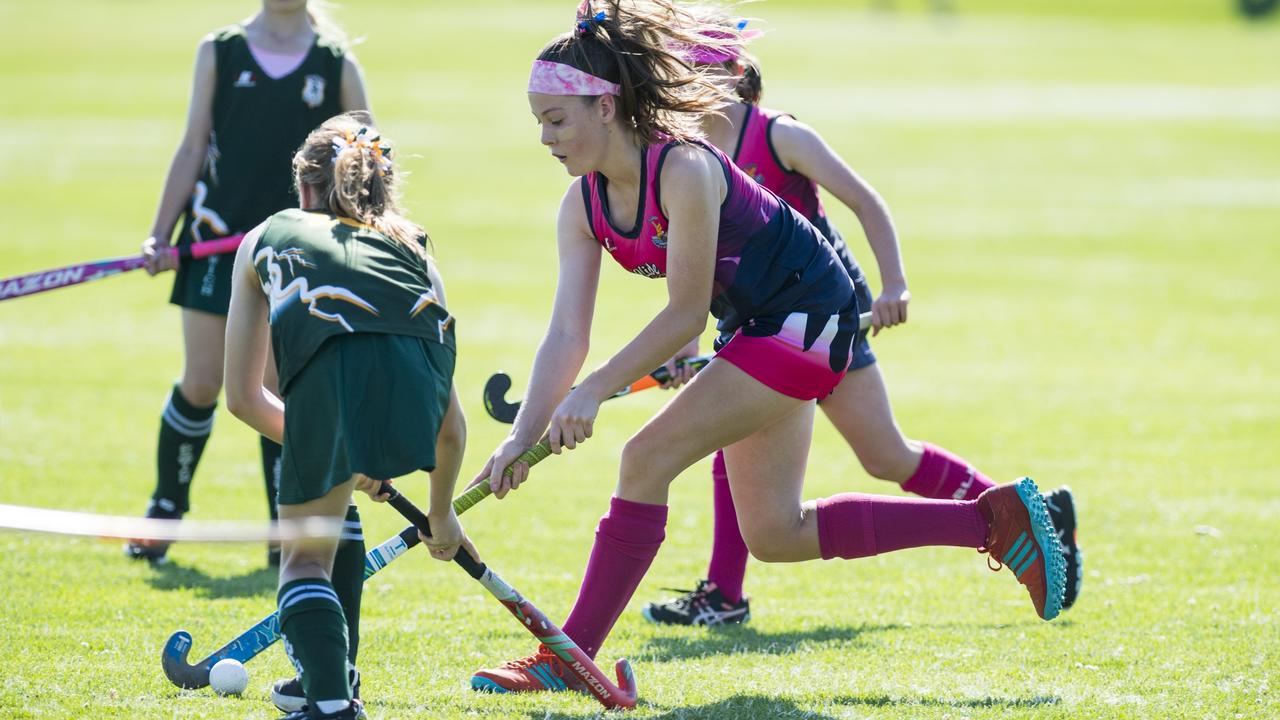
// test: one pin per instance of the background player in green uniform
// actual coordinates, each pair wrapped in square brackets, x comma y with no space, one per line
[260,86]
[364,349]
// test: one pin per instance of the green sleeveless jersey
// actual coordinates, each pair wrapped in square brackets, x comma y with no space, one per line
[258,124]
[326,276]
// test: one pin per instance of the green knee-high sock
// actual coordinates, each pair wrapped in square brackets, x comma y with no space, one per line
[348,578]
[184,430]
[315,637]
[271,452]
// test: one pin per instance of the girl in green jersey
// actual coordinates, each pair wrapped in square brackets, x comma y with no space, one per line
[354,309]
[260,86]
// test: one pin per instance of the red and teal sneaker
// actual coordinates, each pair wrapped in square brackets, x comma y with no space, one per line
[540,672]
[1021,535]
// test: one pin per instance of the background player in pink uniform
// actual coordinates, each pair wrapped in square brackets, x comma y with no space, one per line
[792,159]
[619,107]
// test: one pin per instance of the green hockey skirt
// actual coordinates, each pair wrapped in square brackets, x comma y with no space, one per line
[367,403]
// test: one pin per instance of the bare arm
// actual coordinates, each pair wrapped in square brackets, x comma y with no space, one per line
[803,150]
[693,186]
[248,338]
[187,161]
[563,348]
[451,442]
[353,95]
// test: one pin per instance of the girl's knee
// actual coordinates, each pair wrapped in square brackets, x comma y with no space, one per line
[894,462]
[642,464]
[293,567]
[768,542]
[200,391]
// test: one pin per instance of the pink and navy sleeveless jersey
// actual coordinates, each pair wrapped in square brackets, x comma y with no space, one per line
[757,158]
[770,261]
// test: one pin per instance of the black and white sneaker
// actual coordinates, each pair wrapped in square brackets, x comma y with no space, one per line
[354,711]
[153,551]
[287,695]
[704,606]
[1062,511]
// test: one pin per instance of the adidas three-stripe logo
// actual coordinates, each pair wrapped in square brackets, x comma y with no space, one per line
[547,676]
[1021,555]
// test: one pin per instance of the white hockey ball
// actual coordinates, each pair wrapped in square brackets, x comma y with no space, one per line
[228,677]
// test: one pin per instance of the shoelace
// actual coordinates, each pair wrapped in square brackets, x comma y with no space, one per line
[543,656]
[990,559]
[690,598]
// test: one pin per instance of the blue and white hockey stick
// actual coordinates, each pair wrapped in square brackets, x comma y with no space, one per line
[247,645]
[266,631]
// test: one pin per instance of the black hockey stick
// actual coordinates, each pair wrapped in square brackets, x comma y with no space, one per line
[498,384]
[495,389]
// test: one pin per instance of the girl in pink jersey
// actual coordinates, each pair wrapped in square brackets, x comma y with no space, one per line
[792,159]
[619,108]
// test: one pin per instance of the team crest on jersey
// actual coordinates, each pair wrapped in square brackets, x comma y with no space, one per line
[659,233]
[313,91]
[246,80]
[754,172]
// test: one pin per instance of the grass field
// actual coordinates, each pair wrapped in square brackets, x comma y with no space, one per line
[1089,202]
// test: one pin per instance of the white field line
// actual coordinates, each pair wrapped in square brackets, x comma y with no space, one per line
[64,522]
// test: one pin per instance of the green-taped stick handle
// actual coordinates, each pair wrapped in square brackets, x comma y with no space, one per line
[533,456]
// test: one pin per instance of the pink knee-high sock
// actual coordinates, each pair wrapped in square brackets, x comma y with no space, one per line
[627,539]
[946,476]
[728,550]
[853,525]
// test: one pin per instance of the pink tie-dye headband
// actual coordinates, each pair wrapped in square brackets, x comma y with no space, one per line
[552,78]
[713,55]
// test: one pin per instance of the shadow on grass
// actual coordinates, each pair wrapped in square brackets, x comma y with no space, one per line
[766,706]
[744,639]
[984,702]
[256,582]
[769,706]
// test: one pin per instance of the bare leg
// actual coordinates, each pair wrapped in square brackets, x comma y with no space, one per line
[314,558]
[721,406]
[203,341]
[271,455]
[859,409]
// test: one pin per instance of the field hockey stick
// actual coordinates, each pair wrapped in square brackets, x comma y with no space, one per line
[37,282]
[613,697]
[495,389]
[248,644]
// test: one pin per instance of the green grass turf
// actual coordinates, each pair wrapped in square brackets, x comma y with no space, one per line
[1089,201]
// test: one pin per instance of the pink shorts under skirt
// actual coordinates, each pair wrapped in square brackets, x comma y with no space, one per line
[781,362]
